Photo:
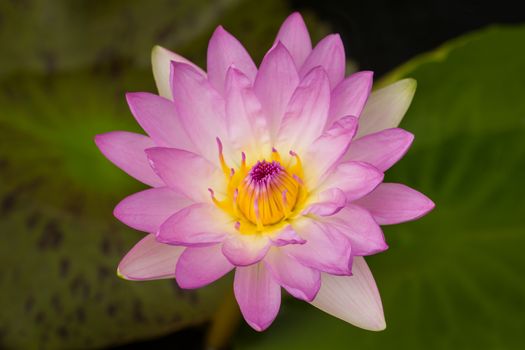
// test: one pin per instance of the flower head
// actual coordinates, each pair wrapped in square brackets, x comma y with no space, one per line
[275,172]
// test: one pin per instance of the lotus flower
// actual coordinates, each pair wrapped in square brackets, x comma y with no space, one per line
[274,172]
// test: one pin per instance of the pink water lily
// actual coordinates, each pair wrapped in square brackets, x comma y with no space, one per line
[274,171]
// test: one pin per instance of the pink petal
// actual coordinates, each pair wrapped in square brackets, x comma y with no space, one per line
[327,203]
[245,249]
[328,149]
[294,35]
[258,295]
[247,125]
[300,281]
[223,51]
[353,299]
[159,118]
[392,203]
[325,249]
[198,267]
[147,210]
[350,95]
[358,225]
[329,53]
[276,81]
[126,150]
[355,179]
[150,260]
[306,113]
[381,149]
[187,173]
[197,225]
[200,108]
[286,236]
[161,63]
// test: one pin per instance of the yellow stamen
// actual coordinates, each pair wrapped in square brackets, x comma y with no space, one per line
[263,195]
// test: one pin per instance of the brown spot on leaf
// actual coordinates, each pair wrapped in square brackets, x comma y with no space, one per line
[56,303]
[111,310]
[80,314]
[52,236]
[8,203]
[105,246]
[79,286]
[64,267]
[138,313]
[32,219]
[40,317]
[62,332]
[29,304]
[103,272]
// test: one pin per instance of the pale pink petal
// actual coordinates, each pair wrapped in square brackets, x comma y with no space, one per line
[358,225]
[126,150]
[350,95]
[392,203]
[386,107]
[326,151]
[197,225]
[329,53]
[149,260]
[276,81]
[223,51]
[161,64]
[325,249]
[286,236]
[147,210]
[300,281]
[381,149]
[354,299]
[306,113]
[200,108]
[159,118]
[294,35]
[245,249]
[355,179]
[200,266]
[326,203]
[187,173]
[247,126]
[258,295]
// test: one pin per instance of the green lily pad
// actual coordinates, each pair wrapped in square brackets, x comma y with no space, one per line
[60,244]
[454,279]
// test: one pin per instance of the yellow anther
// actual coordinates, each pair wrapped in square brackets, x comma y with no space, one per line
[297,168]
[276,156]
[262,195]
[258,219]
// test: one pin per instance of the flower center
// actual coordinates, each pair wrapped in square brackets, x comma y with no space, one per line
[263,195]
[267,194]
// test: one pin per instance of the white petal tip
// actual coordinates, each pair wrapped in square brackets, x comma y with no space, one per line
[120,275]
[409,84]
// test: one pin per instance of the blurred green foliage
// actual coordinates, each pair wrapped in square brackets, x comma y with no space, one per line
[454,279]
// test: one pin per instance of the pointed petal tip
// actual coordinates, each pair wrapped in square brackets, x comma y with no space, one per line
[157,50]
[98,139]
[120,275]
[409,85]
[258,327]
[377,326]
